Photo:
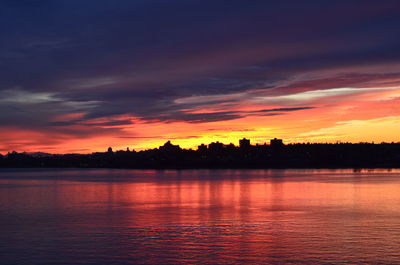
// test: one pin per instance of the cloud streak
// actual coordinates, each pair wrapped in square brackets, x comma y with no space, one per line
[128,68]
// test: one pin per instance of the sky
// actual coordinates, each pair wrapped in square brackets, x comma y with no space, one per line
[80,76]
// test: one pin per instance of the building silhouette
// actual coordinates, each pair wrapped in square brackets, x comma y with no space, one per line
[219,155]
[244,143]
[276,143]
[216,146]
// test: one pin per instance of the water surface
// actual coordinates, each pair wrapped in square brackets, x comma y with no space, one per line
[199,217]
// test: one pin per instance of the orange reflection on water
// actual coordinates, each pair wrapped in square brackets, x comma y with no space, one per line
[226,216]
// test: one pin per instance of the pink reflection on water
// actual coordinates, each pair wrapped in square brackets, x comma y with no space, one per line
[228,217]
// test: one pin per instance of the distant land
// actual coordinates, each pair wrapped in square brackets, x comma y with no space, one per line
[218,155]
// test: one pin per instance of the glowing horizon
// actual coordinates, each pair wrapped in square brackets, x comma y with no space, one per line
[196,73]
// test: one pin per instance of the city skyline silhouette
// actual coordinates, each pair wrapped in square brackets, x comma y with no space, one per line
[276,154]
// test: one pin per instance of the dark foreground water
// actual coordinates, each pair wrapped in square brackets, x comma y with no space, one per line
[195,217]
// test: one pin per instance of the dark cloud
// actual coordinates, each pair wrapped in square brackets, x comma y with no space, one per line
[283,109]
[140,58]
[222,115]
[79,122]
[197,117]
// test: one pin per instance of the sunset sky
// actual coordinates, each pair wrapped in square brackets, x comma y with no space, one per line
[79,76]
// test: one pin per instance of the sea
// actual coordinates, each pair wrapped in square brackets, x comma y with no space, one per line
[113,216]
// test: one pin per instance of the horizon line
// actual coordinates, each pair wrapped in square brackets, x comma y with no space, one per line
[202,144]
